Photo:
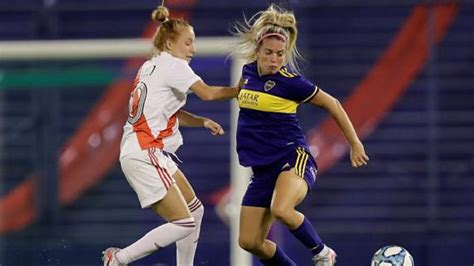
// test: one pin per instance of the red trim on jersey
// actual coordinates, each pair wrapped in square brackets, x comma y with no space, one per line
[145,136]
[169,129]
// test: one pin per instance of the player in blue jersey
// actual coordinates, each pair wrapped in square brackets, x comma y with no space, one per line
[269,138]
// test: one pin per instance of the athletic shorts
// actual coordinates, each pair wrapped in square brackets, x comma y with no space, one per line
[260,189]
[150,173]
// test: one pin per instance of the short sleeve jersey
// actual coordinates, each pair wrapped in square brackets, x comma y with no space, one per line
[160,90]
[268,127]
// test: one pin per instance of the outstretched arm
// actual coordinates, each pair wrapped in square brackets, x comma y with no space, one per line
[213,93]
[188,119]
[334,107]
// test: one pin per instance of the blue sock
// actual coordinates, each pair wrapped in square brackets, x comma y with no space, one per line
[279,259]
[308,236]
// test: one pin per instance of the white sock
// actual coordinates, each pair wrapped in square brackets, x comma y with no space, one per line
[324,251]
[157,238]
[186,247]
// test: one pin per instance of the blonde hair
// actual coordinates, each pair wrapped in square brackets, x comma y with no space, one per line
[168,28]
[271,22]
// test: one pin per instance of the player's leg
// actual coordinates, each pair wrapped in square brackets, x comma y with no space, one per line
[186,247]
[150,175]
[297,174]
[256,218]
[284,202]
[174,210]
[290,190]
[255,223]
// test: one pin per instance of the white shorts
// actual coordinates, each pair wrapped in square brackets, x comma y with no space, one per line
[150,174]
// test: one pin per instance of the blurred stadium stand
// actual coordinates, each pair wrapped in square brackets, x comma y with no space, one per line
[416,192]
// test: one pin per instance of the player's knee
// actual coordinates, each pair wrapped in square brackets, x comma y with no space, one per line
[250,245]
[281,214]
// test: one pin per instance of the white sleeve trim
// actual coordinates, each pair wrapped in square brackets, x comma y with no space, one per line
[316,90]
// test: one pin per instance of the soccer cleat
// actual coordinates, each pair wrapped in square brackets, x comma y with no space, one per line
[109,259]
[327,257]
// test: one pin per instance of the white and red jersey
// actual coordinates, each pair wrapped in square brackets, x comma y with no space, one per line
[161,88]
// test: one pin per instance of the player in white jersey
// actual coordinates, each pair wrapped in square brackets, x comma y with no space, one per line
[151,134]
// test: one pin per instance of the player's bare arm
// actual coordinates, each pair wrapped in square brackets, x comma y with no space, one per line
[213,93]
[334,107]
[188,119]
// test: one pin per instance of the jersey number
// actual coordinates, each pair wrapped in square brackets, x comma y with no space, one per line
[136,103]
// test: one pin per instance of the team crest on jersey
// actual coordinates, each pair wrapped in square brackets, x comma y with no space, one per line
[269,85]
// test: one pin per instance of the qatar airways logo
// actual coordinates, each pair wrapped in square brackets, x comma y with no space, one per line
[247,98]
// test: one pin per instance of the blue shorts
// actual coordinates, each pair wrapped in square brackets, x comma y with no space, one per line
[260,189]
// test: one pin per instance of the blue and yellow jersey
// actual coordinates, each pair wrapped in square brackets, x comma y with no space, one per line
[268,127]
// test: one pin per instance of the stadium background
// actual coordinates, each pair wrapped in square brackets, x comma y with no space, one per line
[404,69]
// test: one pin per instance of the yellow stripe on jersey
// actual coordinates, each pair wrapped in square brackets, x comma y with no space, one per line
[265,102]
[284,72]
[301,160]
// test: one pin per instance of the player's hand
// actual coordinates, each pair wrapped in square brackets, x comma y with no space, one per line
[358,156]
[214,128]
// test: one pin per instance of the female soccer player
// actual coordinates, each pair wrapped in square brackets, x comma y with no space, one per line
[151,135]
[269,138]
